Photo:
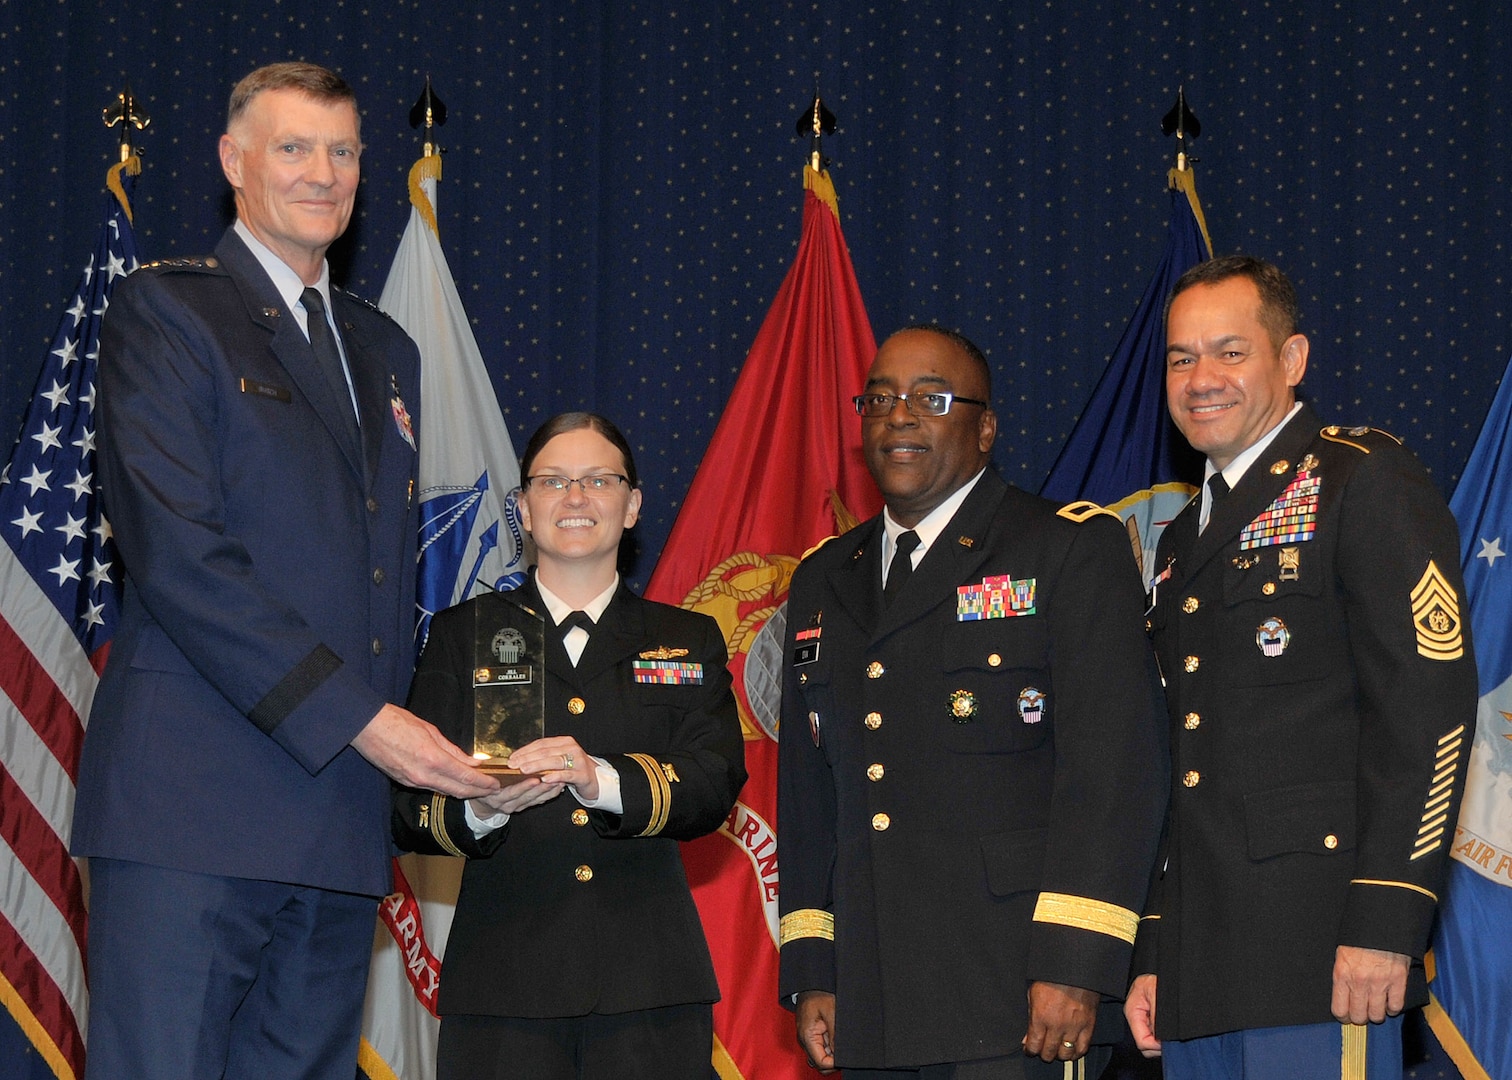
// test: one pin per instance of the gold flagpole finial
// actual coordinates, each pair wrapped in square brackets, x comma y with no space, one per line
[125,112]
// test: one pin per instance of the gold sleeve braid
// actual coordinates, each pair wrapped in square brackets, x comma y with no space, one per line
[661,793]
[438,825]
[1084,913]
[806,923]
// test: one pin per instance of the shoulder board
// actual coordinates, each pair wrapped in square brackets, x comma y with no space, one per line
[365,303]
[817,546]
[1083,509]
[205,262]
[1353,436]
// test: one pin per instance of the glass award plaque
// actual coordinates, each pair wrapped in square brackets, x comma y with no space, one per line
[509,680]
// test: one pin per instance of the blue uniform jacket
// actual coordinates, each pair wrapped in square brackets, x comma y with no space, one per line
[270,576]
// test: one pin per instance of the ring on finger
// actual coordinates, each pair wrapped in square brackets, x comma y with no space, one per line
[566,761]
[1068,1045]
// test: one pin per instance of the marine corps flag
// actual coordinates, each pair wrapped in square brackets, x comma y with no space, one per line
[782,472]
[1123,452]
[1470,966]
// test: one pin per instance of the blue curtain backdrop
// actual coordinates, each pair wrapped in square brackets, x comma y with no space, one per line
[622,184]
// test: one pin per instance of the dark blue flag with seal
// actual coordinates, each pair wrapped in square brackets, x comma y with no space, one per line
[1124,453]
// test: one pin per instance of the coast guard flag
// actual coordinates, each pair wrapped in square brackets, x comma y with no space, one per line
[1124,452]
[782,471]
[59,597]
[1471,962]
[470,541]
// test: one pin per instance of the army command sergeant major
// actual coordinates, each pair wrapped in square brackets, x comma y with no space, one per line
[1308,615]
[972,769]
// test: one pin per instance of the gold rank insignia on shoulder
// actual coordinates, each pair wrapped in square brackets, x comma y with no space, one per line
[1334,433]
[661,652]
[1083,509]
[1436,616]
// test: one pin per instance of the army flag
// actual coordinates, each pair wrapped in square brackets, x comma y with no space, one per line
[782,471]
[59,598]
[471,540]
[1470,965]
[1124,452]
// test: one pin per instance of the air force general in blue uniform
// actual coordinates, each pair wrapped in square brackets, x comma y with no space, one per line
[228,798]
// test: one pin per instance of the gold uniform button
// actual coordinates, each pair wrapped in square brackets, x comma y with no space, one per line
[875,669]
[1192,778]
[576,706]
[802,678]
[875,772]
[1191,664]
[873,720]
[994,660]
[580,816]
[880,822]
[583,873]
[1193,721]
[1269,588]
[1330,841]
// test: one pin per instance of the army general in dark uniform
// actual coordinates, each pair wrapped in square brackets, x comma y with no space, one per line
[972,770]
[1309,619]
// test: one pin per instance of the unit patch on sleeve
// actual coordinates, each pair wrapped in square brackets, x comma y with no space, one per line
[1436,616]
[1293,517]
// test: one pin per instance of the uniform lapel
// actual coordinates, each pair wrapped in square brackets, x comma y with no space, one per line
[1265,479]
[371,382]
[265,307]
[856,583]
[619,633]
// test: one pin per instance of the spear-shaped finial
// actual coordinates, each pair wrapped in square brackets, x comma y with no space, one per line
[815,122]
[1182,123]
[125,112]
[428,112]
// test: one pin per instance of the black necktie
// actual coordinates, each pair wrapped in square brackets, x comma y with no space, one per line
[323,344]
[902,565]
[1217,488]
[576,618]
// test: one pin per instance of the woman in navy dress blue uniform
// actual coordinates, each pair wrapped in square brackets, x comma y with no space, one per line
[577,951]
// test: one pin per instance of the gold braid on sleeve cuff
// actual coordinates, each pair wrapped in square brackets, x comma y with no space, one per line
[807,923]
[438,825]
[661,793]
[1085,913]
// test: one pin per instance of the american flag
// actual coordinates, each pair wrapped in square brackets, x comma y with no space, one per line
[59,597]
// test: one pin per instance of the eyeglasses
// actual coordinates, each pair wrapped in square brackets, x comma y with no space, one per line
[597,484]
[935,403]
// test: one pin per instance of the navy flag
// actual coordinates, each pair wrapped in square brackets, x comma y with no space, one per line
[1124,451]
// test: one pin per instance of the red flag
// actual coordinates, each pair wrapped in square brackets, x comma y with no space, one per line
[782,472]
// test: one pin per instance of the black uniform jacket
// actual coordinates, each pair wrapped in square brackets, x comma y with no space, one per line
[966,805]
[1322,695]
[567,911]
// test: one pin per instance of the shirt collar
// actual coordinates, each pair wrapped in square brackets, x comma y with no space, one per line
[289,284]
[559,609]
[931,525]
